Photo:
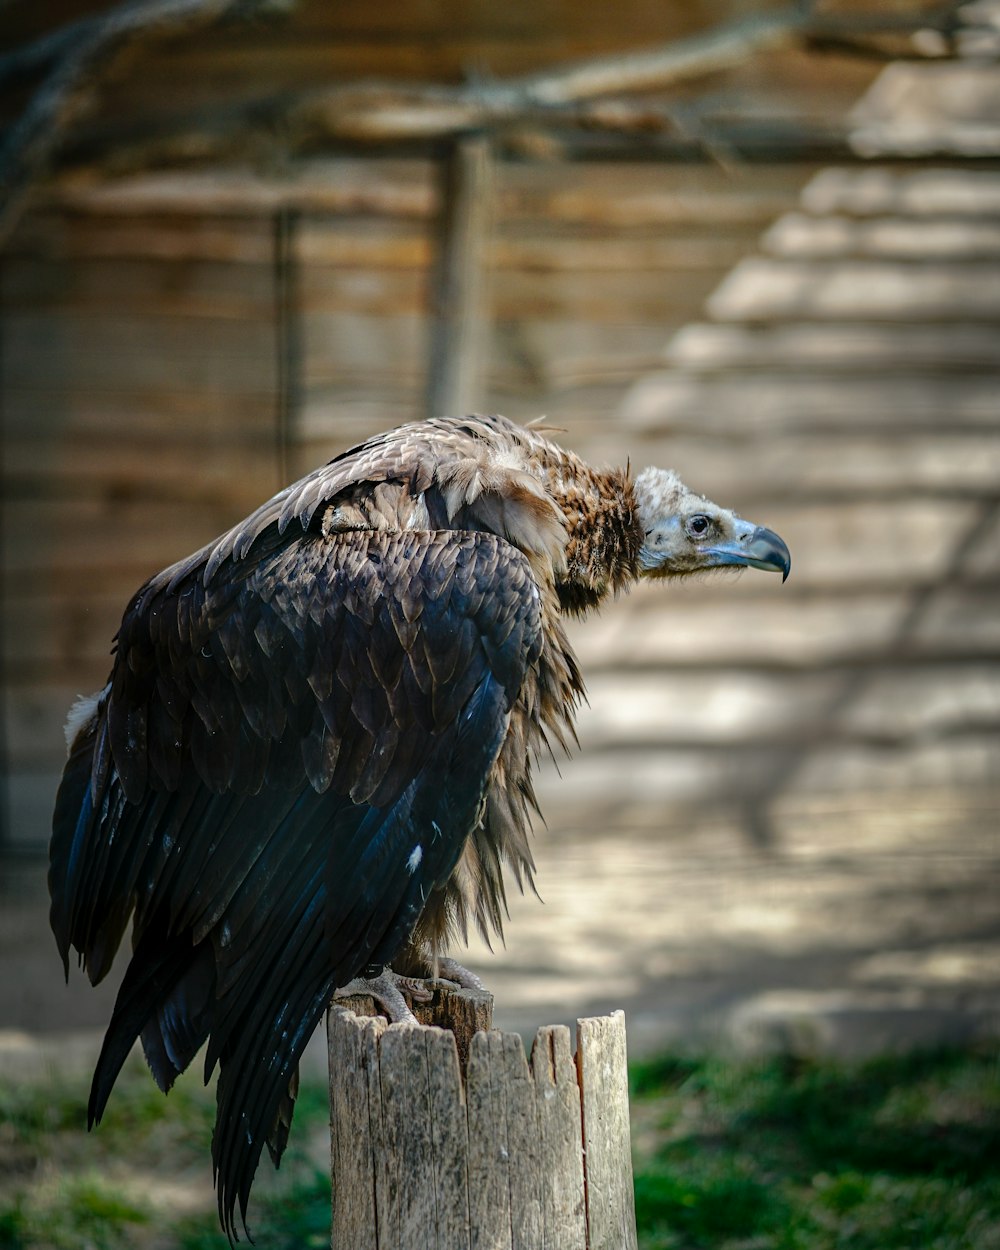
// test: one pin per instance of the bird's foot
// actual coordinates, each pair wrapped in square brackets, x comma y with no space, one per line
[458,974]
[387,990]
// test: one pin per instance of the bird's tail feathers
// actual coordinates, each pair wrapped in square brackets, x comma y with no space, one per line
[155,980]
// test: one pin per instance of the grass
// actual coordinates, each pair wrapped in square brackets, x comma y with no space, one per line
[779,1154]
[142,1180]
[787,1154]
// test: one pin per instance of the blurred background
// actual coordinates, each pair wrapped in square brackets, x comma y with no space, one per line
[758,245]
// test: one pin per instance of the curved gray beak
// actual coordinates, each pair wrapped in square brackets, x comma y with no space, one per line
[754,546]
[766,550]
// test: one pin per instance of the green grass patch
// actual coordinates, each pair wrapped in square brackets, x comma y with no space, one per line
[65,1213]
[788,1154]
[143,1179]
[296,1217]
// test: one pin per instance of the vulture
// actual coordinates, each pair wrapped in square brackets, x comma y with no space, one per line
[312,760]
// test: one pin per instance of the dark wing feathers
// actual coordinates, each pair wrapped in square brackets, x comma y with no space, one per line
[294,747]
[370,907]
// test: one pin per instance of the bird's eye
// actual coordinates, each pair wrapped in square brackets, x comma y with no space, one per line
[698,525]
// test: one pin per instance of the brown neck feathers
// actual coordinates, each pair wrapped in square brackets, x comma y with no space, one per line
[602,552]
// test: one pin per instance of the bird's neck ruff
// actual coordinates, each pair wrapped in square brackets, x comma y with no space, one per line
[604,534]
[581,522]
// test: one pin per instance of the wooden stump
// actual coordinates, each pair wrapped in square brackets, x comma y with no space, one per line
[517,1156]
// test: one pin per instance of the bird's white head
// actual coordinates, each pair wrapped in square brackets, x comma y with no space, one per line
[685,533]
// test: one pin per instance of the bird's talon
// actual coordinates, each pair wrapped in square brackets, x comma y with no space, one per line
[457,974]
[387,989]
[417,989]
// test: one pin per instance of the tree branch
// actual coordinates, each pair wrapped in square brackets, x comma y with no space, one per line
[574,101]
[67,92]
[379,114]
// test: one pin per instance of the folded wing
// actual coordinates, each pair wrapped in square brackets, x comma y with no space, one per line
[293,747]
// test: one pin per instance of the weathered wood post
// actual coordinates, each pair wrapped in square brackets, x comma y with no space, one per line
[459,301]
[517,1156]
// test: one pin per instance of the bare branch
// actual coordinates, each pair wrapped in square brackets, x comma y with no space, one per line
[68,91]
[571,105]
[27,62]
[660,67]
[378,114]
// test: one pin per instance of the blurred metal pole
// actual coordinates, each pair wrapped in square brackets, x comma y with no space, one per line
[459,304]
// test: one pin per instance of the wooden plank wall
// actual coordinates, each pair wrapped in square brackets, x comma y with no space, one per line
[138,421]
[843,389]
[139,363]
